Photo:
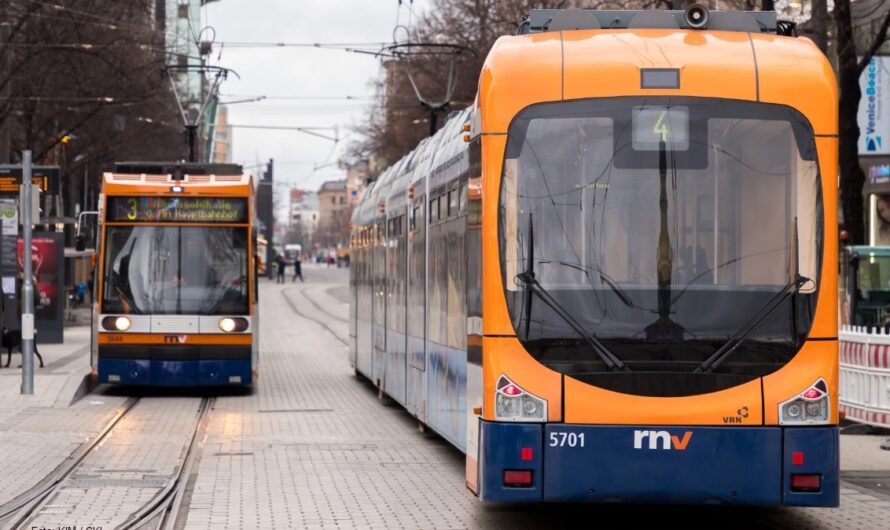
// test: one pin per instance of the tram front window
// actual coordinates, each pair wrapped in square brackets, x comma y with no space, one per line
[662,226]
[175,270]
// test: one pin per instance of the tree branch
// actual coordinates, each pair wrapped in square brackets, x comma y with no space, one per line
[877,43]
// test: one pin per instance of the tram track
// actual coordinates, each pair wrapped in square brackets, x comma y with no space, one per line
[313,318]
[15,512]
[163,511]
[320,307]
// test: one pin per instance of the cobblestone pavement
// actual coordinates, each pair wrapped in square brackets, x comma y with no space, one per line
[38,433]
[130,468]
[313,447]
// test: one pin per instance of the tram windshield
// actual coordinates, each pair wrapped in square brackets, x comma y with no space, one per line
[175,270]
[662,225]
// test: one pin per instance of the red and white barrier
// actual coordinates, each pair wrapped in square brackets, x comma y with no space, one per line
[865,375]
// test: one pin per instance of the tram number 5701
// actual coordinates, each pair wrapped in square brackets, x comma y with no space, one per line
[566,439]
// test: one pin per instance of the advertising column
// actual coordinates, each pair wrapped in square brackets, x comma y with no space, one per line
[9,224]
[47,260]
[874,118]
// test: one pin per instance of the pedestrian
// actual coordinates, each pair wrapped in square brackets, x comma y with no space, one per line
[280,263]
[298,270]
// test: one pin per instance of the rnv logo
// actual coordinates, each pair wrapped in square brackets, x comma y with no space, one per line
[662,440]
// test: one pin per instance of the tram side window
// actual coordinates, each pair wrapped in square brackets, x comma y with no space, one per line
[435,293]
[456,283]
[417,292]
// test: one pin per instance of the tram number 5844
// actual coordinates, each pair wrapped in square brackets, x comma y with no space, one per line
[566,439]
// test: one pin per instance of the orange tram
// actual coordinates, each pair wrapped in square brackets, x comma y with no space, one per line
[176,277]
[613,278]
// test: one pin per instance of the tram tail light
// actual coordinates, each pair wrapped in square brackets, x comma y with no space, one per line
[518,478]
[810,407]
[512,403]
[808,482]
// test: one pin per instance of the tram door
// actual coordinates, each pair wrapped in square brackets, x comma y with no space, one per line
[417,289]
[353,300]
[379,306]
[396,264]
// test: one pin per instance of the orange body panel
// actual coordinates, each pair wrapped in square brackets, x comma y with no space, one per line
[180,338]
[523,70]
[505,86]
[816,359]
[825,319]
[607,64]
[794,72]
[740,405]
[512,359]
[496,320]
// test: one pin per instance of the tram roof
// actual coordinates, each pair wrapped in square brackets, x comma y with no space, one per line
[544,20]
[177,168]
[177,173]
[576,64]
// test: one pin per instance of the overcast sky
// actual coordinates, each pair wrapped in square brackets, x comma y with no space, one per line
[310,72]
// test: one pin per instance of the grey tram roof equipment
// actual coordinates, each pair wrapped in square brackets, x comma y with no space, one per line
[544,20]
[177,168]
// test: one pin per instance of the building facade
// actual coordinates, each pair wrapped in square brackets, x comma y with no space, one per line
[303,217]
[221,137]
[334,212]
[356,179]
[181,23]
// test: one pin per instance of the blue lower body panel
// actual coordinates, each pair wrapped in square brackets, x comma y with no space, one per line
[176,373]
[651,464]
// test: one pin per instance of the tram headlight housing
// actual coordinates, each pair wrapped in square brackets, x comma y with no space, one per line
[117,323]
[232,324]
[512,403]
[810,407]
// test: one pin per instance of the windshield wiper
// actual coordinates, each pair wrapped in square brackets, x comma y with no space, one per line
[607,280]
[534,287]
[732,345]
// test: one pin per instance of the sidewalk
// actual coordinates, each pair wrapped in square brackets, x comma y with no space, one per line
[39,432]
[65,367]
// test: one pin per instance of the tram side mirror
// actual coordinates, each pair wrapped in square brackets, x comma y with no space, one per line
[80,243]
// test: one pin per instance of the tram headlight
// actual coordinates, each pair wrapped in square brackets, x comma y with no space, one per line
[810,407]
[512,403]
[233,324]
[112,323]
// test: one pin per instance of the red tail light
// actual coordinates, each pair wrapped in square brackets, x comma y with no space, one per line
[806,482]
[526,454]
[797,458]
[517,478]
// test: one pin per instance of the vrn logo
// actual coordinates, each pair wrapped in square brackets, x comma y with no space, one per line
[661,440]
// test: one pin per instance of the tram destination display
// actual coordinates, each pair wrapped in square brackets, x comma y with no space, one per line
[176,210]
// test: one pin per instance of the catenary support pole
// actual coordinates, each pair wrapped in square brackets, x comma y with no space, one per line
[27,284]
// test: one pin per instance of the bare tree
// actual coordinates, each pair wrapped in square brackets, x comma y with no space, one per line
[85,87]
[398,122]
